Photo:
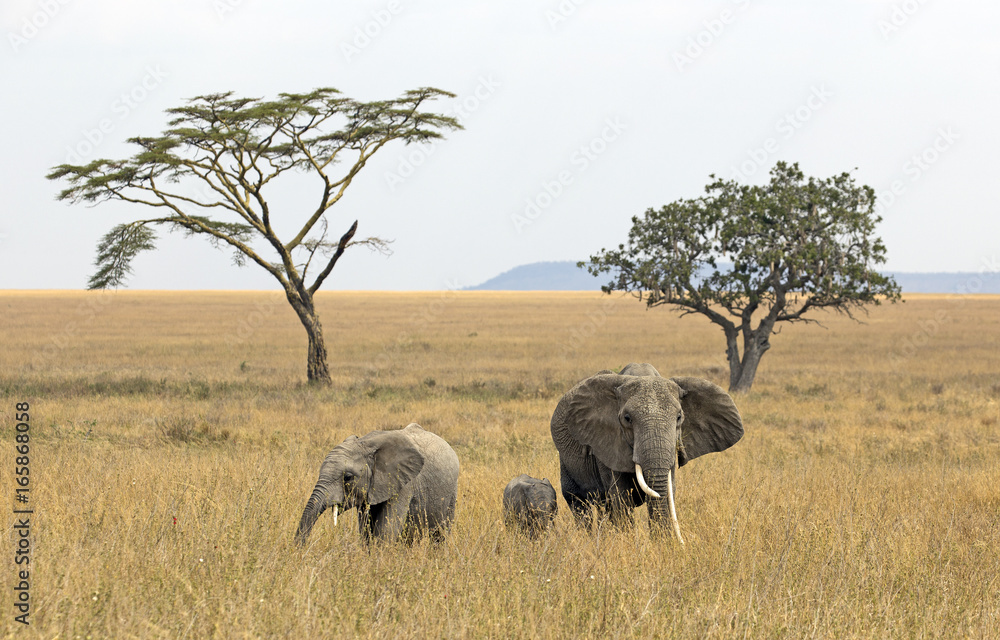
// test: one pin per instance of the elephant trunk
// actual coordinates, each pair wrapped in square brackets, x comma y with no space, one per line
[661,497]
[655,458]
[314,508]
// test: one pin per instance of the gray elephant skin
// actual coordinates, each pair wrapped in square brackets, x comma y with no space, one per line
[404,483]
[529,505]
[622,436]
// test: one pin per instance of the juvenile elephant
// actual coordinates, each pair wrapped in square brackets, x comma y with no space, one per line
[529,504]
[403,483]
[621,437]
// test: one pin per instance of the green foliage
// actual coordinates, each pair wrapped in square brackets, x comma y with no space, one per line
[115,252]
[791,245]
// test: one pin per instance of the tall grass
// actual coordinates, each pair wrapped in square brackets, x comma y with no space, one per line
[175,444]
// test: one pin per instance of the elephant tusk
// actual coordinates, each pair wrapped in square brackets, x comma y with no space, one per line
[673,511]
[642,482]
[335,515]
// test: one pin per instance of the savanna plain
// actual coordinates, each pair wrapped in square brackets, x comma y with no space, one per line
[174,443]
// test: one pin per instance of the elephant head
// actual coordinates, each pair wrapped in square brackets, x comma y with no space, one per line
[649,425]
[361,472]
[639,369]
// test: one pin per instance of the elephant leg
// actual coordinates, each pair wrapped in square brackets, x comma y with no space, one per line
[621,499]
[582,509]
[411,533]
[391,522]
[579,505]
[420,521]
[440,524]
[365,524]
[437,535]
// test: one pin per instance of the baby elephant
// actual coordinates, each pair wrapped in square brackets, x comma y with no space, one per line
[529,504]
[403,483]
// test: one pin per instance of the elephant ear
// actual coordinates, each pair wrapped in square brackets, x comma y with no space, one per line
[397,461]
[711,420]
[591,416]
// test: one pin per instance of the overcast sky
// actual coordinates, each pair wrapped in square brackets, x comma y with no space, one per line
[594,110]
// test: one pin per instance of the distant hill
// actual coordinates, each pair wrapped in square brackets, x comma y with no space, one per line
[566,276]
[543,276]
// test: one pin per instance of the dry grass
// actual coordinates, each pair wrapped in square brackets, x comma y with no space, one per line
[863,501]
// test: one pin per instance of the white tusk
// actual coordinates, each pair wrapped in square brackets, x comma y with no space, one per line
[335,515]
[642,482]
[673,511]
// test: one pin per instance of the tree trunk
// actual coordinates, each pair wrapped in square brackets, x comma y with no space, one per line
[742,371]
[317,371]
[733,356]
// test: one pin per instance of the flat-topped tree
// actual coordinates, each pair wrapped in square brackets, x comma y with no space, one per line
[232,148]
[749,257]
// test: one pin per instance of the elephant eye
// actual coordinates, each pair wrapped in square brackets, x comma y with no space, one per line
[628,419]
[348,476]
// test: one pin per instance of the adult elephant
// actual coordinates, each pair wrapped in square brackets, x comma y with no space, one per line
[403,483]
[621,437]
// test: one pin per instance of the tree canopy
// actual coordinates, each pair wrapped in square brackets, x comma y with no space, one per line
[208,173]
[751,256]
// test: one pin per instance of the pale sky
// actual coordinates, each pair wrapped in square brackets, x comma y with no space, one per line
[596,110]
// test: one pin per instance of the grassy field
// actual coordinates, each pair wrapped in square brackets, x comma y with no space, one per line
[174,444]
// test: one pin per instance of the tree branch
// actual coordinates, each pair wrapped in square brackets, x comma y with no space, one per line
[341,246]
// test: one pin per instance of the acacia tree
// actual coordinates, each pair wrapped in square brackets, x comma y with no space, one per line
[750,257]
[231,149]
